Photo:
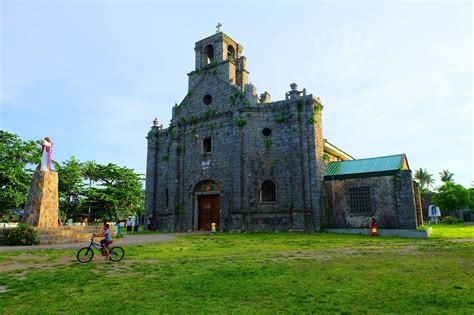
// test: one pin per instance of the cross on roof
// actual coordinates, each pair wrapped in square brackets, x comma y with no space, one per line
[218,27]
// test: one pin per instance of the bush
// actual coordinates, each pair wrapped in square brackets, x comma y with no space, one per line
[21,235]
[451,220]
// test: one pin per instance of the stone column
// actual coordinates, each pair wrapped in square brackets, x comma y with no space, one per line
[42,205]
[405,200]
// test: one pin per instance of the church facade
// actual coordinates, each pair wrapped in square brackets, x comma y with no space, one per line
[237,159]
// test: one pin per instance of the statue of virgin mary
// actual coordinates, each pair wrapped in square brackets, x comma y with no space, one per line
[46,154]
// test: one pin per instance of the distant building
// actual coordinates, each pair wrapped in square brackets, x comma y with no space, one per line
[246,163]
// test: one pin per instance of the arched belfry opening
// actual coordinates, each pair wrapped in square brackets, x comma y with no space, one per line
[207,199]
[231,53]
[208,54]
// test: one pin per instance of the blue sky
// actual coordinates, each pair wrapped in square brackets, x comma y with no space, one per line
[394,77]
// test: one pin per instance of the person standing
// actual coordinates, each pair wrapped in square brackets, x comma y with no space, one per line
[136,226]
[129,224]
[148,224]
[374,229]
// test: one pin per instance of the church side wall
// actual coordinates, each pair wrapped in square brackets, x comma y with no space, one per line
[271,158]
[159,198]
[318,166]
[391,198]
[150,172]
[289,158]
[406,200]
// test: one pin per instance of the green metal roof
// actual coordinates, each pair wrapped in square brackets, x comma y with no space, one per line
[371,165]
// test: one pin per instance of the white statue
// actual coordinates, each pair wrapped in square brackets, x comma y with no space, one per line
[434,213]
[46,154]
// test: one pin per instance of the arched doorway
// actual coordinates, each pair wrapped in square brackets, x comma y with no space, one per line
[208,203]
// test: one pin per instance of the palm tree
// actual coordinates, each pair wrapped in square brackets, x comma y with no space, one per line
[446,176]
[424,178]
[89,171]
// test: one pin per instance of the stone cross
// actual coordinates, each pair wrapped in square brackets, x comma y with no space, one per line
[218,27]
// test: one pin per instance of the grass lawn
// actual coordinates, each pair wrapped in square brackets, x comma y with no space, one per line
[451,231]
[258,273]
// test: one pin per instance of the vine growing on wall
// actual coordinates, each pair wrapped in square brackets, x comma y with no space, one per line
[314,118]
[239,97]
[194,119]
[299,107]
[208,113]
[268,144]
[280,118]
[239,121]
[182,121]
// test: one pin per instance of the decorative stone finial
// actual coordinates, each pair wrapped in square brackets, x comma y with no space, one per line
[156,122]
[265,97]
[294,93]
[218,27]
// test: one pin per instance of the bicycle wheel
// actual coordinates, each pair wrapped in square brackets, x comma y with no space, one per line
[85,254]
[116,253]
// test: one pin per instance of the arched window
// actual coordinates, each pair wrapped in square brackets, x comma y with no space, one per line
[208,54]
[231,53]
[268,192]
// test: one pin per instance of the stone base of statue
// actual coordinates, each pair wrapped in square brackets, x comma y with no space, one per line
[42,207]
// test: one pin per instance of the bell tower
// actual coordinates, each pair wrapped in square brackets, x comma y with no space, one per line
[221,55]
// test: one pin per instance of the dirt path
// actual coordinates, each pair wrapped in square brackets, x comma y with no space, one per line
[127,240]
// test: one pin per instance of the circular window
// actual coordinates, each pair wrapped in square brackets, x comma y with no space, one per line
[207,99]
[266,132]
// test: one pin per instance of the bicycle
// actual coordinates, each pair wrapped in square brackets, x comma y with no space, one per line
[85,254]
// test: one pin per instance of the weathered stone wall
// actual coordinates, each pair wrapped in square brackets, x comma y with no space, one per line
[42,207]
[405,200]
[392,202]
[241,159]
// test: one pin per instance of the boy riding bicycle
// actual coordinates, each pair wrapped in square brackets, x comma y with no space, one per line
[107,234]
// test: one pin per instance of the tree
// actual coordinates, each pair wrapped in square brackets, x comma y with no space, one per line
[118,194]
[89,172]
[70,187]
[16,159]
[446,176]
[451,196]
[424,178]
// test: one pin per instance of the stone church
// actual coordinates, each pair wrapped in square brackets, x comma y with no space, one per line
[248,163]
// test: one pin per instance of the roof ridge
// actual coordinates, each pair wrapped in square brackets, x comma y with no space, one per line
[371,158]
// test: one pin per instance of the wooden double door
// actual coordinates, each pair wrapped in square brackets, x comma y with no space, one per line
[209,211]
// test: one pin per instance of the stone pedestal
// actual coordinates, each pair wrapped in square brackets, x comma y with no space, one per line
[42,206]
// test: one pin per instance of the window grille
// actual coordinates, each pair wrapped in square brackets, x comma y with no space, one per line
[360,201]
[268,191]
